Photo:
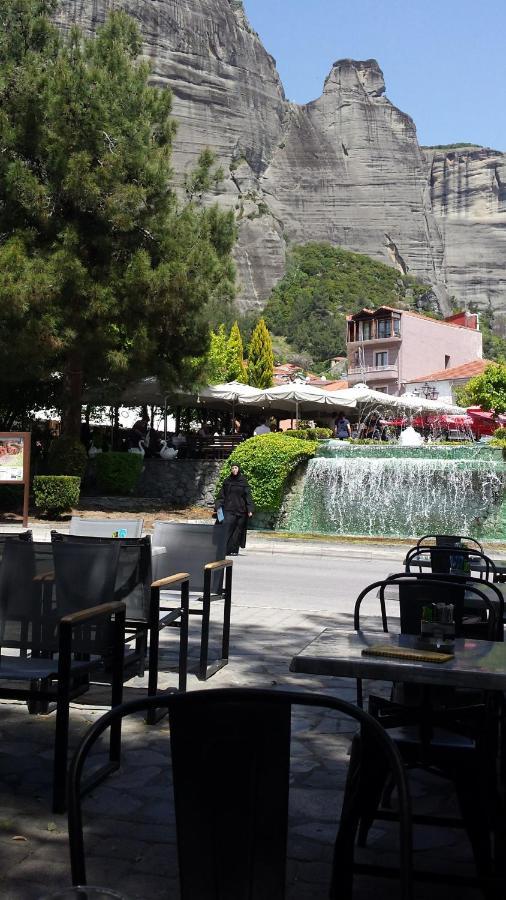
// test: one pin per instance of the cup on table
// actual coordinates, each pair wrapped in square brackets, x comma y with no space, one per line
[85,892]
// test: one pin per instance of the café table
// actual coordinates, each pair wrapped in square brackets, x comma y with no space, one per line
[480,665]
[476,664]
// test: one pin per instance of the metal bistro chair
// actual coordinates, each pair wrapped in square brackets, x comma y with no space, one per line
[199,550]
[230,752]
[66,641]
[134,586]
[450,540]
[13,536]
[447,731]
[451,559]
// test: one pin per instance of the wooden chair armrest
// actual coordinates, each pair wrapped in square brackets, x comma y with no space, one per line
[93,612]
[219,564]
[171,579]
[45,576]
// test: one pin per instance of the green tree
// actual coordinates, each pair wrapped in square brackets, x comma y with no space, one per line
[236,370]
[103,272]
[260,357]
[322,285]
[217,357]
[487,390]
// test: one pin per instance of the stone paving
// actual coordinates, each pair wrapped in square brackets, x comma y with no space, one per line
[129,826]
[130,836]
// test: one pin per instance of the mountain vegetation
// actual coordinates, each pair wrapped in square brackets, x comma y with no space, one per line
[323,284]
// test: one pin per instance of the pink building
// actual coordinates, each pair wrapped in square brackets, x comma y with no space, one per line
[391,348]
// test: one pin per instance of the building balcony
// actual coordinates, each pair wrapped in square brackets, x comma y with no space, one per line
[372,373]
[380,341]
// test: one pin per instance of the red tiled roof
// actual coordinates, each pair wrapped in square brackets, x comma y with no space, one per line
[329,385]
[466,370]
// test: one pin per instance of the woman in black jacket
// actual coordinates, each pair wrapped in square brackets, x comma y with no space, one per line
[237,505]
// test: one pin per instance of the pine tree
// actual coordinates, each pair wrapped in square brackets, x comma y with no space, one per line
[103,272]
[260,357]
[236,370]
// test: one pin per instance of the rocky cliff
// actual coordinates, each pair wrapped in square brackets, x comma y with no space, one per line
[346,168]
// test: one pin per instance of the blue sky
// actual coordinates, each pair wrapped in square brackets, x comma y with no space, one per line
[444,61]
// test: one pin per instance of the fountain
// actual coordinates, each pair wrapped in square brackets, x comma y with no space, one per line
[399,491]
[410,438]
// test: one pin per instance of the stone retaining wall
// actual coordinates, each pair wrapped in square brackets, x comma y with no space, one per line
[183,482]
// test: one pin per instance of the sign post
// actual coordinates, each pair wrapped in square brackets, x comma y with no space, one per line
[15,463]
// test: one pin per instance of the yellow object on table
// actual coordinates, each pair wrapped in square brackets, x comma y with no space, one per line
[407,653]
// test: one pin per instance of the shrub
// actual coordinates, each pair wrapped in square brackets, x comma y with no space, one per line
[310,434]
[500,434]
[56,494]
[67,457]
[11,496]
[118,473]
[267,462]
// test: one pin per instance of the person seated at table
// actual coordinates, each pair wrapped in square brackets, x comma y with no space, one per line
[205,430]
[138,431]
[262,428]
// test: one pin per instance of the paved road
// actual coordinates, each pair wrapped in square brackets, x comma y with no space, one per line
[289,581]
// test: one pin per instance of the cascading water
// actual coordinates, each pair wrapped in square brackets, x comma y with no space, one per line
[399,491]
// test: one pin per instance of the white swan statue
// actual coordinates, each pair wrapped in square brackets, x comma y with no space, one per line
[167,452]
[139,449]
[94,451]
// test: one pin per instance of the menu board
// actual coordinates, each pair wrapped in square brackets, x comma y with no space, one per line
[15,463]
[11,459]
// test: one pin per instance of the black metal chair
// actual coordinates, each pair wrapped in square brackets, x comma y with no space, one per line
[230,754]
[199,550]
[134,586]
[60,643]
[454,733]
[16,536]
[451,559]
[450,540]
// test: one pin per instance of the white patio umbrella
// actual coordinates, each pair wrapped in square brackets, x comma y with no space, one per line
[306,398]
[409,403]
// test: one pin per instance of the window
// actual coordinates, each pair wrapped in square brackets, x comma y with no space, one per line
[365,331]
[447,361]
[384,328]
[381,358]
[397,327]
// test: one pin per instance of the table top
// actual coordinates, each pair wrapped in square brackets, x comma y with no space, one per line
[476,664]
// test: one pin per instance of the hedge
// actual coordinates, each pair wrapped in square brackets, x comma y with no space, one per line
[67,456]
[267,461]
[118,473]
[56,494]
[310,434]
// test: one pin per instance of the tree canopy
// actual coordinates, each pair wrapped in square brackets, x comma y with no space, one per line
[487,390]
[104,271]
[322,285]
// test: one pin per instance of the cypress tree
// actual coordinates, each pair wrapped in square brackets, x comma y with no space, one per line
[235,356]
[217,358]
[260,357]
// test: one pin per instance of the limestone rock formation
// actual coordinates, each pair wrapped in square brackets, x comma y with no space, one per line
[468,196]
[346,167]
